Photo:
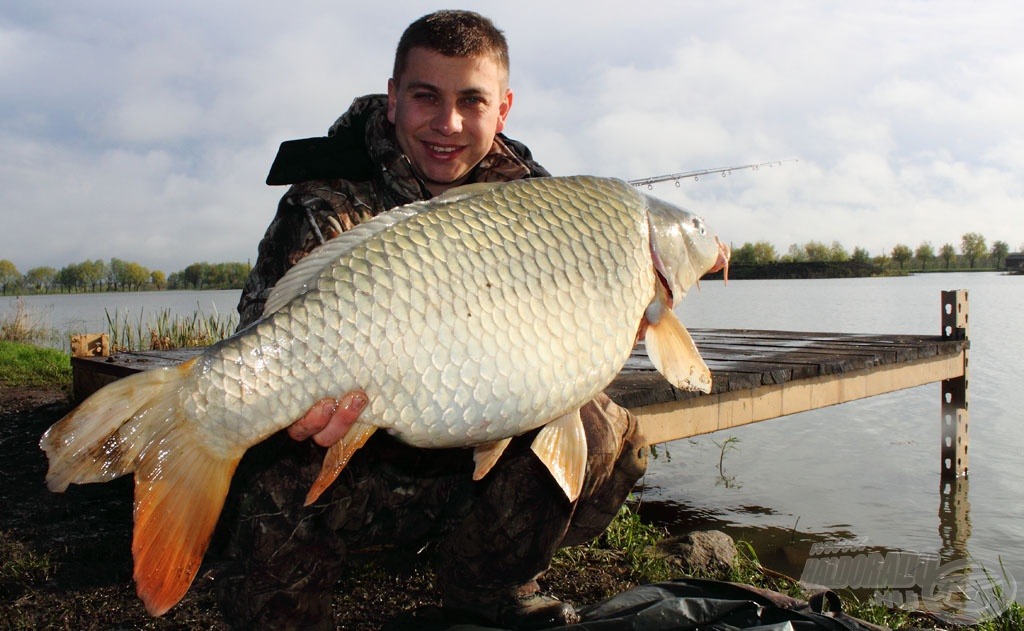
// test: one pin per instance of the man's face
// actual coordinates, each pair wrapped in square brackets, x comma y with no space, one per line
[446,111]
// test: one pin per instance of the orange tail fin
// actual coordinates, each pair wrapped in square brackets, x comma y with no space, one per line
[178,499]
[137,425]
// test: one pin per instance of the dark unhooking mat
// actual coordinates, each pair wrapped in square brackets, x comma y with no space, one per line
[687,604]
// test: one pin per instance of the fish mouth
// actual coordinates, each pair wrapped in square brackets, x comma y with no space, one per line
[722,262]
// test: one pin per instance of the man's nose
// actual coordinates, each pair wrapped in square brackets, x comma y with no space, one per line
[448,121]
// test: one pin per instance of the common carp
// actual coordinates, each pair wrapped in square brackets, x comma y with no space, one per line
[482,314]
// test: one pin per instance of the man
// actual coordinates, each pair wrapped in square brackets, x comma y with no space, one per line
[439,126]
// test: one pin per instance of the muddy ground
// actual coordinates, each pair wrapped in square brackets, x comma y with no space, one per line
[65,559]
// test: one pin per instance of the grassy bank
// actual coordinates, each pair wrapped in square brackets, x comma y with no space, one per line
[25,365]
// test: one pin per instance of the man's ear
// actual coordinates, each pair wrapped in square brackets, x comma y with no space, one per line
[392,100]
[503,109]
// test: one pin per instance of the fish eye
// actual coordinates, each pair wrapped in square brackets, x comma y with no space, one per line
[698,223]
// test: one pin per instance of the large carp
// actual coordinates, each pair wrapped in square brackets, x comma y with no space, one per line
[468,319]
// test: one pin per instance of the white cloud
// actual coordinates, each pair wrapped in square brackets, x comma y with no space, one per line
[146,133]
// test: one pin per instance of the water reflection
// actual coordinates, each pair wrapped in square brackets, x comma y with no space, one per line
[946,581]
[954,519]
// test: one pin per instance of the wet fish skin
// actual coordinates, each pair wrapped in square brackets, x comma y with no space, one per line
[468,319]
[431,320]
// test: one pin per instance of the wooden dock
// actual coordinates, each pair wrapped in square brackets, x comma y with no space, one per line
[761,375]
[757,375]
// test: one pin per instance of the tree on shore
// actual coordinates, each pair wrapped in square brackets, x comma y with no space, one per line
[999,251]
[9,275]
[760,253]
[795,254]
[210,276]
[972,246]
[924,253]
[817,251]
[93,273]
[40,278]
[901,254]
[947,253]
[158,278]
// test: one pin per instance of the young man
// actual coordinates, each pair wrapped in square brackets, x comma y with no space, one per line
[439,126]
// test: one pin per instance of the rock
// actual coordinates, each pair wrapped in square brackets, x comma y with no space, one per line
[705,553]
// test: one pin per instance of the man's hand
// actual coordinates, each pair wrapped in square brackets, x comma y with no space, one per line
[329,419]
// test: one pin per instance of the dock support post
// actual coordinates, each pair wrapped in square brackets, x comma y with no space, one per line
[954,509]
[955,416]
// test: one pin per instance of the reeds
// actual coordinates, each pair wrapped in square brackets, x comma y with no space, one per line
[164,331]
[23,325]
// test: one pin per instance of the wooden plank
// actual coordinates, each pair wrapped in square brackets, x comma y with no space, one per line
[735,366]
[89,374]
[662,422]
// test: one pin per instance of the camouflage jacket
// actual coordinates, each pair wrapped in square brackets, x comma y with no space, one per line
[313,211]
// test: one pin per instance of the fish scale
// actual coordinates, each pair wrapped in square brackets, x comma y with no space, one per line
[567,300]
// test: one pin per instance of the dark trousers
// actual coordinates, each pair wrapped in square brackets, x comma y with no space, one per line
[495,536]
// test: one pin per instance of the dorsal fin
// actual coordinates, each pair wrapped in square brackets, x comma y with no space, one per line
[466,190]
[300,278]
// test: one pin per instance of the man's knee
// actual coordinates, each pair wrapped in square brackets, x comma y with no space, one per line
[617,458]
[615,443]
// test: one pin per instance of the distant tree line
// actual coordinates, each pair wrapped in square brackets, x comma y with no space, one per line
[119,275]
[817,258]
[973,253]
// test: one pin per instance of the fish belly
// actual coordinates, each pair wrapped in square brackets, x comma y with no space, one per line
[469,322]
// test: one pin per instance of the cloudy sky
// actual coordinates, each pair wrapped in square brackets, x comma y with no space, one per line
[146,133]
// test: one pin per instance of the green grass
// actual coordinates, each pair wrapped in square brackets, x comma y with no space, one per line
[22,566]
[626,543]
[23,364]
[1011,620]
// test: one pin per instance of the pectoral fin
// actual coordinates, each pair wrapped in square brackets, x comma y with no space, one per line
[338,456]
[485,457]
[562,447]
[674,354]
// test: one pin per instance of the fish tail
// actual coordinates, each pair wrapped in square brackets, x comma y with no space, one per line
[177,502]
[137,425]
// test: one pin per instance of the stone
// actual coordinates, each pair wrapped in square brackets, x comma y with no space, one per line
[704,553]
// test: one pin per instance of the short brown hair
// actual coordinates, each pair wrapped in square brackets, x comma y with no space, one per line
[453,34]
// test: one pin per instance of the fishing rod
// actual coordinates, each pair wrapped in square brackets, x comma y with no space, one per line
[725,171]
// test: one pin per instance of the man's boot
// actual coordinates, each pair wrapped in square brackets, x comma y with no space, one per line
[519,608]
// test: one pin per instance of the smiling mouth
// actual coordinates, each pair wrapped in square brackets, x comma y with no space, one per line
[442,149]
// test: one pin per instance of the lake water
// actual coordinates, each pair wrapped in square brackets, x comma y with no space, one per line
[866,471]
[87,313]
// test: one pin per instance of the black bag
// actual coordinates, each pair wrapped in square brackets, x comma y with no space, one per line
[681,605]
[715,606]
